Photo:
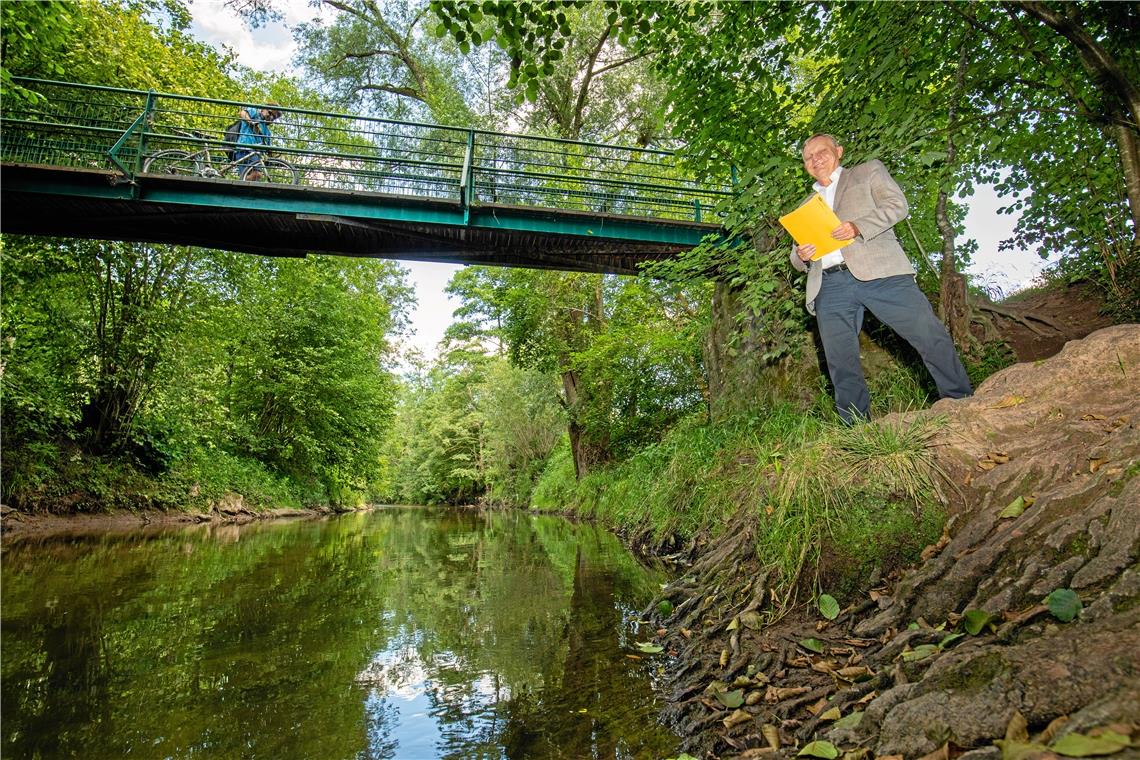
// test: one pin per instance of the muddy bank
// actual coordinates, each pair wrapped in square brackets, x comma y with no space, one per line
[1041,487]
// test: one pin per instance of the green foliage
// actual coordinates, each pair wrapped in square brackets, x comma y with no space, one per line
[829,501]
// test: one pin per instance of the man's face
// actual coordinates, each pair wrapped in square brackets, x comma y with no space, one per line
[821,158]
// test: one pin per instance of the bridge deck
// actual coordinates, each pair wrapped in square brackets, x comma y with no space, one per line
[73,165]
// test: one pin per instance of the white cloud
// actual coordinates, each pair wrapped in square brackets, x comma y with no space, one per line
[269,47]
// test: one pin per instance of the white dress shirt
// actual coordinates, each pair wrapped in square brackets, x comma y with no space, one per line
[828,193]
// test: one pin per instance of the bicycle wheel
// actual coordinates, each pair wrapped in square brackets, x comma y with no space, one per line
[176,162]
[273,170]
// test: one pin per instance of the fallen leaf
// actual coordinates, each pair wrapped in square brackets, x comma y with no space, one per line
[780,694]
[1051,730]
[999,456]
[920,652]
[1093,416]
[754,752]
[813,645]
[649,647]
[1017,730]
[633,656]
[771,735]
[754,698]
[1063,604]
[855,673]
[976,620]
[1012,750]
[833,714]
[737,717]
[828,606]
[686,633]
[1009,401]
[1094,464]
[987,464]
[723,657]
[1014,509]
[849,721]
[731,699]
[1079,745]
[819,748]
[867,698]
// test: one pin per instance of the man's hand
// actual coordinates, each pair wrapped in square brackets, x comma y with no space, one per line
[805,252]
[845,231]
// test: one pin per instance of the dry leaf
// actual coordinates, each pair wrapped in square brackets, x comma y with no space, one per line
[771,735]
[889,757]
[1051,730]
[861,642]
[1017,730]
[832,714]
[817,706]
[1009,401]
[633,656]
[779,695]
[825,666]
[1094,464]
[1092,416]
[999,456]
[737,717]
[754,698]
[723,657]
[854,672]
[686,633]
[841,651]
[867,698]
[987,464]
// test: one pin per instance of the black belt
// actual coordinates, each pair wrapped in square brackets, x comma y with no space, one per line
[837,268]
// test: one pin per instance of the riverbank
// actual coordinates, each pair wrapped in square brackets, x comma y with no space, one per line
[15,525]
[1021,624]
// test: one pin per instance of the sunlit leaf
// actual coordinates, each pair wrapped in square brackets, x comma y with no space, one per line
[731,699]
[1013,509]
[812,645]
[819,748]
[1079,745]
[648,647]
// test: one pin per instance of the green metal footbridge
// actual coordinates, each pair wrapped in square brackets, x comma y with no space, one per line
[115,164]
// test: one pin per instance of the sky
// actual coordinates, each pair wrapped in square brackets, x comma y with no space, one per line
[271,48]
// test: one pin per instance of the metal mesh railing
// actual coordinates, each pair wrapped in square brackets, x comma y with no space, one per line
[79,126]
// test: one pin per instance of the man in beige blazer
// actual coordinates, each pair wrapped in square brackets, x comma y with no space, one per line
[872,272]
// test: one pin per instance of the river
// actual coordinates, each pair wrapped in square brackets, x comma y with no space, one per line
[399,633]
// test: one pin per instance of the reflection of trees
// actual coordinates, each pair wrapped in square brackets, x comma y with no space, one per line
[503,624]
[600,706]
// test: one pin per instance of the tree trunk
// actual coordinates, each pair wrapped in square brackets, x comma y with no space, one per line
[952,304]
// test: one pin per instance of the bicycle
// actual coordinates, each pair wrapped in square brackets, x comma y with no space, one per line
[204,163]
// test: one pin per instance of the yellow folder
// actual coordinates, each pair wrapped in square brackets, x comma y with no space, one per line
[812,223]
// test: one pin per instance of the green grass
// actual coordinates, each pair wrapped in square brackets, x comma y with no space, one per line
[831,504]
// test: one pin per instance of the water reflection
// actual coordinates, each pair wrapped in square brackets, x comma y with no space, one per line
[402,634]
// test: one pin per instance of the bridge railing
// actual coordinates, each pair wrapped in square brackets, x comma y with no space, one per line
[85,126]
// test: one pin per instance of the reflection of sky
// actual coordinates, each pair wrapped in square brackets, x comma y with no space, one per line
[408,714]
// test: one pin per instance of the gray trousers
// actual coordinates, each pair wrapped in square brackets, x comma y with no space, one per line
[898,303]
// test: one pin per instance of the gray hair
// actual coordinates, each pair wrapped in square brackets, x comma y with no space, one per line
[820,135]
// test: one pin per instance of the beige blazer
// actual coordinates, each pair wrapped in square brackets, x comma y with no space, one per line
[868,196]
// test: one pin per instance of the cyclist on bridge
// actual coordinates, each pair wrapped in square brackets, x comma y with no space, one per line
[254,132]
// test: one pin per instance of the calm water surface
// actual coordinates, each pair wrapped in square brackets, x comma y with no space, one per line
[404,633]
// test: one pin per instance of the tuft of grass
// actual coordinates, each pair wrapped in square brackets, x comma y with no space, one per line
[867,495]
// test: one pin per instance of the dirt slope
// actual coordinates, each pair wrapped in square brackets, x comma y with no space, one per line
[1059,438]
